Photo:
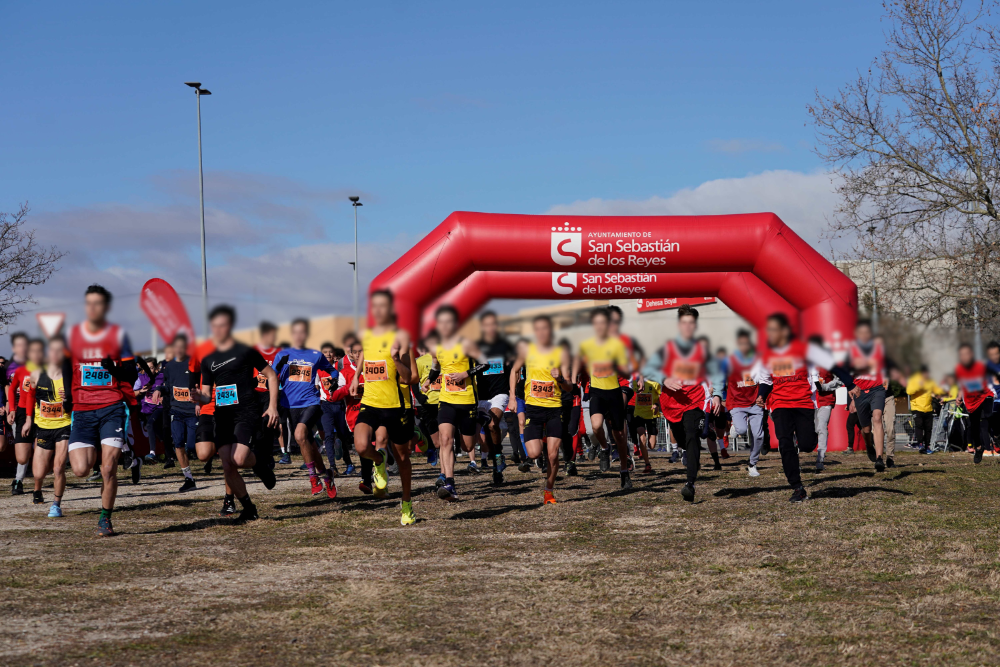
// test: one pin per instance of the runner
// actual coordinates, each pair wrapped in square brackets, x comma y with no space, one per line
[973,381]
[102,362]
[741,398]
[18,357]
[331,419]
[682,366]
[267,334]
[51,402]
[300,396]
[21,415]
[352,408]
[384,361]
[647,404]
[571,406]
[428,410]
[867,358]
[492,384]
[547,368]
[178,380]
[606,359]
[455,359]
[228,381]
[826,398]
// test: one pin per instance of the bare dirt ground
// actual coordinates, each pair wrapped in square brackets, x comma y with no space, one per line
[890,569]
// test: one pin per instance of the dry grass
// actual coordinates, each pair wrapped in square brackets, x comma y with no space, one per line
[898,568]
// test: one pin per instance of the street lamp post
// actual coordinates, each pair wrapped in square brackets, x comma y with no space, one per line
[871,230]
[356,202]
[198,92]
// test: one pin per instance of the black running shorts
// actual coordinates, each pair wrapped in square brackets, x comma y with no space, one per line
[461,416]
[204,431]
[542,422]
[867,402]
[610,404]
[394,420]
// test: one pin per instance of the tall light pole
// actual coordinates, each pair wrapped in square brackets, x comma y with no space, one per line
[871,231]
[356,202]
[198,92]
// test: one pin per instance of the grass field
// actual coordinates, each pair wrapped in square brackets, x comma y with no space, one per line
[900,568]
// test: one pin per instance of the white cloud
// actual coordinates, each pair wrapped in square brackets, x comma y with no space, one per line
[803,201]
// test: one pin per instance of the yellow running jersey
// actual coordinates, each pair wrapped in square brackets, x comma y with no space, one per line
[540,388]
[49,410]
[424,364]
[454,361]
[382,389]
[647,399]
[602,359]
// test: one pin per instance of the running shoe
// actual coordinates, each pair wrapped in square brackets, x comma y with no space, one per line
[303,467]
[55,512]
[249,513]
[571,469]
[228,506]
[605,457]
[648,470]
[150,458]
[136,470]
[265,473]
[349,470]
[315,484]
[870,448]
[879,465]
[819,463]
[406,517]
[925,450]
[440,481]
[380,493]
[674,456]
[497,477]
[687,492]
[591,451]
[753,472]
[626,480]
[724,453]
[500,462]
[36,498]
[365,487]
[448,492]
[977,457]
[614,453]
[548,498]
[432,457]
[286,459]
[379,476]
[631,464]
[188,485]
[524,466]
[331,486]
[473,468]
[169,463]
[717,466]
[889,463]
[393,469]
[208,467]
[95,476]
[104,527]
[799,495]
[126,459]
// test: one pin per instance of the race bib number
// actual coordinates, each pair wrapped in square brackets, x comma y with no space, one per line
[436,385]
[973,385]
[51,410]
[26,385]
[376,371]
[94,375]
[261,382]
[542,389]
[602,369]
[496,366]
[747,381]
[300,373]
[686,371]
[453,385]
[226,395]
[644,400]
[782,367]
[182,394]
[327,384]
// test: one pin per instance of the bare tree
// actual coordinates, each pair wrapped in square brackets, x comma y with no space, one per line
[915,144]
[24,263]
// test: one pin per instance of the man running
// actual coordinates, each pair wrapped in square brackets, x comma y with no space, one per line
[647,403]
[455,359]
[682,365]
[741,398]
[606,359]
[826,397]
[493,385]
[973,382]
[178,380]
[264,447]
[385,362]
[301,396]
[547,368]
[428,410]
[21,415]
[228,380]
[18,357]
[867,359]
[51,402]
[102,362]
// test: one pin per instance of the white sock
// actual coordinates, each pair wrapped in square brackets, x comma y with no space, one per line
[22,470]
[136,462]
[187,473]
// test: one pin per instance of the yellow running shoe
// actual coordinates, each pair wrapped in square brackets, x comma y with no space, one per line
[380,493]
[407,517]
[378,475]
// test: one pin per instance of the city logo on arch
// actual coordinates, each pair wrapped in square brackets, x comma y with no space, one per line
[563,282]
[566,247]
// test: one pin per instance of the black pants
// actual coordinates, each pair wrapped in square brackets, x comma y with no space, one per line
[979,425]
[923,424]
[852,422]
[791,424]
[570,427]
[687,433]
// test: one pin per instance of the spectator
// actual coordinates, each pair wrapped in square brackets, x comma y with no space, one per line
[921,389]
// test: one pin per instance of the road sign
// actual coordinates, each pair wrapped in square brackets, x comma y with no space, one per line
[50,323]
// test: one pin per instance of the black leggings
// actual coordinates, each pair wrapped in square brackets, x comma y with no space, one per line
[979,425]
[923,424]
[791,424]
[852,422]
[687,433]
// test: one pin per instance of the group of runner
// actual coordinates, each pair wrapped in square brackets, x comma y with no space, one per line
[82,398]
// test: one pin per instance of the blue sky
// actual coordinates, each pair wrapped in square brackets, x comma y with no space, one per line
[423,108]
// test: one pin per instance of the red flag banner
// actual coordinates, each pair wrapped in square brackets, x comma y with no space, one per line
[165,310]
[648,305]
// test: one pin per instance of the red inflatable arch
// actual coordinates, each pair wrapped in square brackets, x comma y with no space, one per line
[757,243]
[749,298]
